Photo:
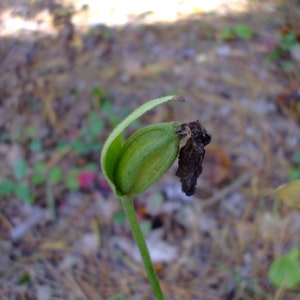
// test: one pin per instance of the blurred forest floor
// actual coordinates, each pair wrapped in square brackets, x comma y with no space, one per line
[70,71]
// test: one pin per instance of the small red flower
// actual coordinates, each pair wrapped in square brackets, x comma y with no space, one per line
[86,179]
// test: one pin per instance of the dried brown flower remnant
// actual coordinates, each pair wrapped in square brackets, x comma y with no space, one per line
[191,155]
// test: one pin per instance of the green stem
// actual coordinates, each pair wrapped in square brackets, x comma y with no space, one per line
[128,206]
[50,200]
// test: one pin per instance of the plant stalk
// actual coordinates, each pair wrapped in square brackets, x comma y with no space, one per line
[128,207]
[50,201]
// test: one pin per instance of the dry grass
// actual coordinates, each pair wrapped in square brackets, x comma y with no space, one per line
[228,236]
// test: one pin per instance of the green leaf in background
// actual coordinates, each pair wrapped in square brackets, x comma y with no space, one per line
[55,175]
[288,41]
[104,98]
[107,107]
[113,119]
[297,157]
[39,168]
[39,174]
[92,167]
[62,146]
[119,217]
[87,135]
[84,6]
[146,226]
[30,131]
[96,124]
[98,92]
[4,136]
[287,65]
[285,270]
[94,146]
[226,34]
[72,181]
[20,169]
[23,192]
[73,91]
[294,173]
[118,296]
[6,187]
[79,146]
[243,31]
[274,55]
[36,146]
[24,278]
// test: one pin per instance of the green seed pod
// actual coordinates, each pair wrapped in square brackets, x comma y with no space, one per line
[145,156]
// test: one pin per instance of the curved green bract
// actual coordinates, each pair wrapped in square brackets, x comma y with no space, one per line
[113,144]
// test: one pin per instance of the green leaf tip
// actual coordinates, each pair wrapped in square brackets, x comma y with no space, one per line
[113,145]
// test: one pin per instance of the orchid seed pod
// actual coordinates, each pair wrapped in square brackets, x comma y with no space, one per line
[144,157]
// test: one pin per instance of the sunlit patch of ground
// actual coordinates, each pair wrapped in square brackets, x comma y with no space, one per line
[116,12]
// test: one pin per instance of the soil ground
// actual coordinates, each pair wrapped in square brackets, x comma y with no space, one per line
[62,64]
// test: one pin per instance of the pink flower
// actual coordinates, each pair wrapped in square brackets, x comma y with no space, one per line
[86,179]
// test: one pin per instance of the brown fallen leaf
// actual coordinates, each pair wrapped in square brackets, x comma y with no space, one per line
[289,193]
